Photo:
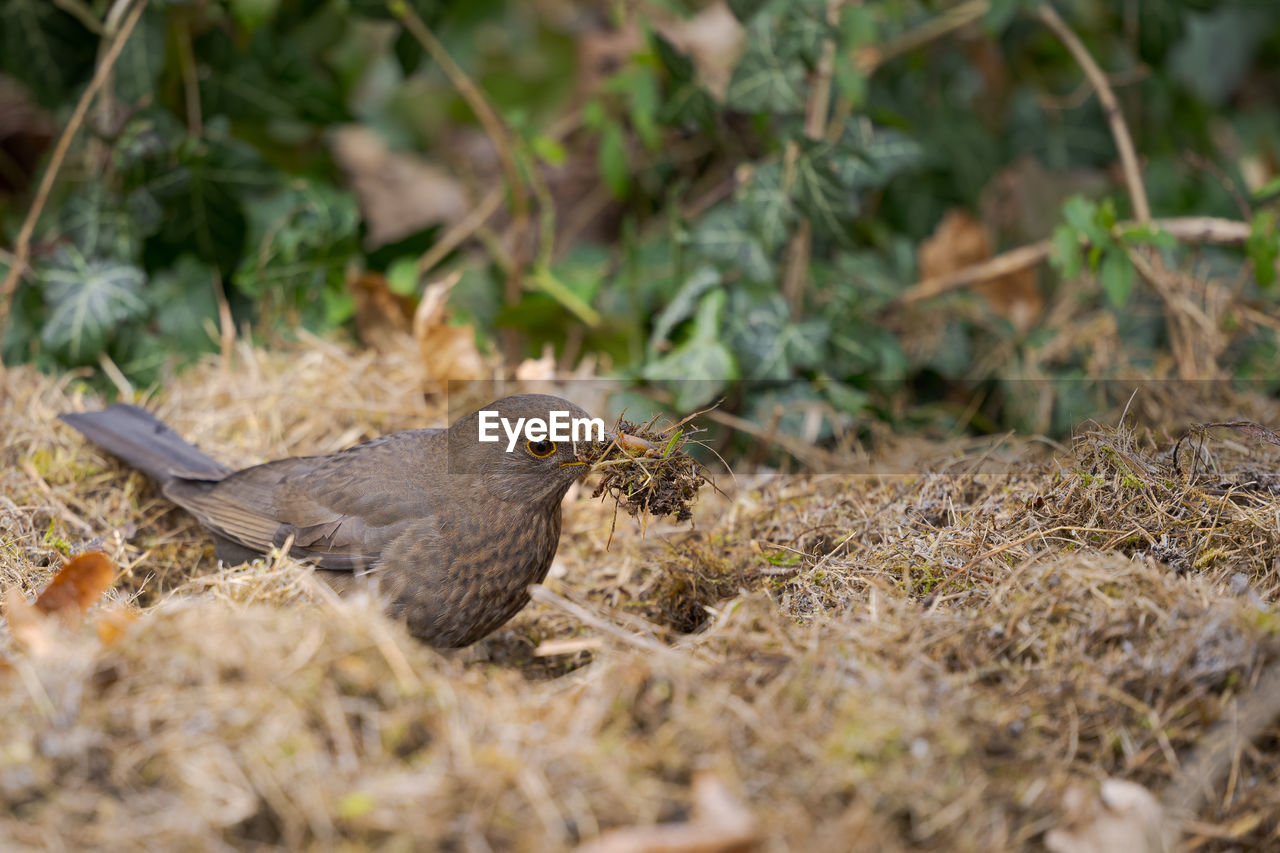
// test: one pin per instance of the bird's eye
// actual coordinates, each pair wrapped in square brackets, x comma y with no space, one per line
[541,449]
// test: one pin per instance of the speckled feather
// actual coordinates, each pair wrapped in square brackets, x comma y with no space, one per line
[453,530]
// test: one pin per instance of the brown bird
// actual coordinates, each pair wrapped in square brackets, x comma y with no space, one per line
[453,529]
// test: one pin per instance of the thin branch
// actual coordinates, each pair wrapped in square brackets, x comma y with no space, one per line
[868,59]
[815,127]
[498,135]
[1188,229]
[1110,107]
[459,233]
[22,247]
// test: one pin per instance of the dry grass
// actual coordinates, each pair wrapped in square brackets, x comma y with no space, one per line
[868,661]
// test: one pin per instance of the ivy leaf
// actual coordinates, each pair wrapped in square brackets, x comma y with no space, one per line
[724,235]
[613,161]
[698,369]
[142,59]
[86,301]
[199,185]
[745,10]
[768,206]
[770,346]
[100,225]
[826,200]
[186,303]
[764,82]
[301,239]
[44,47]
[802,30]
[1115,274]
[678,66]
[683,304]
[1263,247]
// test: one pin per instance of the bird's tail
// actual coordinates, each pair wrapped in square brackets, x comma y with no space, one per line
[142,440]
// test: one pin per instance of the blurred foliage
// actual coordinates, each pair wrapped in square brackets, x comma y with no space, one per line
[206,174]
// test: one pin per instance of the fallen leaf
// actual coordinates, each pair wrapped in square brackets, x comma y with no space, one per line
[400,193]
[381,316]
[77,586]
[113,624]
[538,369]
[448,352]
[960,241]
[1122,816]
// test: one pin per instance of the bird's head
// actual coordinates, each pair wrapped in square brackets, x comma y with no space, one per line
[524,447]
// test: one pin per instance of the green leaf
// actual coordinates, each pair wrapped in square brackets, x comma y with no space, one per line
[678,66]
[45,47]
[745,10]
[548,150]
[1115,274]
[858,27]
[802,30]
[700,368]
[200,184]
[1067,255]
[639,86]
[186,305]
[1263,247]
[1268,190]
[821,194]
[301,240]
[683,304]
[99,225]
[768,344]
[1082,215]
[723,235]
[612,160]
[1147,234]
[769,208]
[86,301]
[252,14]
[764,82]
[999,14]
[142,59]
[402,276]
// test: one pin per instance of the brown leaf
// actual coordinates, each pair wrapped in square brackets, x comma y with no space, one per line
[77,585]
[381,316]
[960,241]
[112,625]
[448,352]
[400,193]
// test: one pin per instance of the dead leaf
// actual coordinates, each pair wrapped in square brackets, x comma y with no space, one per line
[448,352]
[721,824]
[27,625]
[538,369]
[960,241]
[381,316]
[400,193]
[1122,816]
[113,624]
[714,39]
[77,586]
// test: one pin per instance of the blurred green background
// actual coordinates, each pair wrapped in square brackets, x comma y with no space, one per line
[749,190]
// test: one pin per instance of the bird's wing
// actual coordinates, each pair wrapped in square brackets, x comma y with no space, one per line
[340,509]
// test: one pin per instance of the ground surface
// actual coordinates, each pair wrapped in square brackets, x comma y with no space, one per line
[953,658]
